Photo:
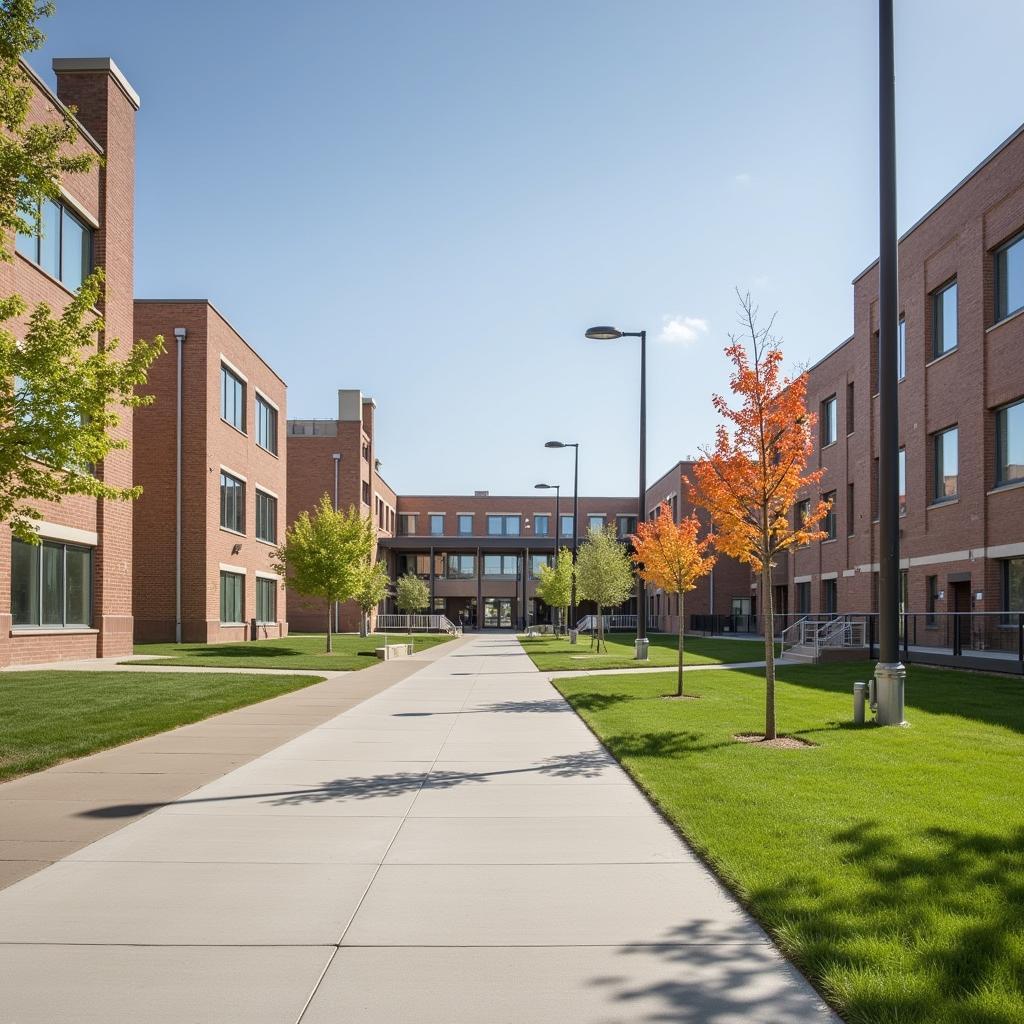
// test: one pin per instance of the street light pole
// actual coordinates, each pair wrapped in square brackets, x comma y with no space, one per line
[890,674]
[557,488]
[575,526]
[612,334]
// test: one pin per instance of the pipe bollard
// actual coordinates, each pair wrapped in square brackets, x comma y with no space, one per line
[859,693]
[871,694]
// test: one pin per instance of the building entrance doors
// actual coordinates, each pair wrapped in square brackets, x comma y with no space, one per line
[497,613]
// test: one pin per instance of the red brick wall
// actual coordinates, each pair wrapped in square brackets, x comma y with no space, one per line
[208,444]
[107,193]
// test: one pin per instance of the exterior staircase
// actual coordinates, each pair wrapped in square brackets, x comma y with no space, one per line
[812,640]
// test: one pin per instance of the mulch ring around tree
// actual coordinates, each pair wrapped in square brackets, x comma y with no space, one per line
[779,743]
[680,696]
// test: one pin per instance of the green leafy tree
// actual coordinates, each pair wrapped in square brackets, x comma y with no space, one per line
[411,595]
[62,381]
[373,588]
[604,575]
[325,553]
[554,585]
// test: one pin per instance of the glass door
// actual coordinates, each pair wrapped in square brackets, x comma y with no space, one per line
[497,613]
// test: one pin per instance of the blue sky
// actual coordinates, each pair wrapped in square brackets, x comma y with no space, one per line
[431,201]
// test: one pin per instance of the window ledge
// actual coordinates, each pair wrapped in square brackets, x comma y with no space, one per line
[945,355]
[830,540]
[260,540]
[234,533]
[999,323]
[53,631]
[274,455]
[825,447]
[943,504]
[234,625]
[237,430]
[56,280]
[1013,485]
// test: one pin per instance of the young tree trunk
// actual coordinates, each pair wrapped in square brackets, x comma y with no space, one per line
[330,638]
[767,612]
[679,691]
[600,629]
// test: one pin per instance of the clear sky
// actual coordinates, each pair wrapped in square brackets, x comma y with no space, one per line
[431,200]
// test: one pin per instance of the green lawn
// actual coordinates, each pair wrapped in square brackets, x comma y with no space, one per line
[46,717]
[300,651]
[887,862]
[556,654]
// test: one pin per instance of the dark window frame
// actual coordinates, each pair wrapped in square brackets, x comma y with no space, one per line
[939,497]
[1001,457]
[35,242]
[938,320]
[228,504]
[266,512]
[264,586]
[237,404]
[38,568]
[238,579]
[266,417]
[997,275]
[829,421]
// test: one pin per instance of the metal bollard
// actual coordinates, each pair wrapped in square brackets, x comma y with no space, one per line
[859,693]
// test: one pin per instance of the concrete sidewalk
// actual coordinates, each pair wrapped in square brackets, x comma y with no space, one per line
[457,849]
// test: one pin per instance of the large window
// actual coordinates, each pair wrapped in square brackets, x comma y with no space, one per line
[829,597]
[902,475]
[565,526]
[232,597]
[536,561]
[406,524]
[465,524]
[436,524]
[232,503]
[901,349]
[801,510]
[503,526]
[64,247]
[803,598]
[232,398]
[1010,443]
[828,524]
[626,526]
[595,523]
[266,425]
[541,524]
[51,585]
[829,421]
[944,332]
[461,567]
[266,600]
[946,465]
[266,517]
[1013,585]
[1010,278]
[501,565]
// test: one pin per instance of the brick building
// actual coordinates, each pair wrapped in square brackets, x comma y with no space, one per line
[71,596]
[233,482]
[337,457]
[961,401]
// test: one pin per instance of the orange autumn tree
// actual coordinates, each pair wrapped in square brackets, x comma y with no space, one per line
[752,478]
[671,556]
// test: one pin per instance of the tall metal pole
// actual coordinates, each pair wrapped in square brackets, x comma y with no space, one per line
[890,674]
[575,534]
[641,590]
[558,495]
[337,466]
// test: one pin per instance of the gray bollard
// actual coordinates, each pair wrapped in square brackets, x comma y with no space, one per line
[859,693]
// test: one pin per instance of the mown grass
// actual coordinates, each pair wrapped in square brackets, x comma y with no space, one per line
[51,716]
[887,862]
[556,654]
[299,651]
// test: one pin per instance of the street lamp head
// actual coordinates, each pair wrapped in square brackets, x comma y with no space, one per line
[544,487]
[554,444]
[603,333]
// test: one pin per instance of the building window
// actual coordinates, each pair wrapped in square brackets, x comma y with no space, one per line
[419,565]
[829,423]
[64,246]
[946,464]
[232,503]
[461,567]
[801,510]
[595,523]
[944,332]
[503,526]
[51,585]
[1013,586]
[501,565]
[901,465]
[851,419]
[829,597]
[931,600]
[436,521]
[1010,278]
[266,601]
[365,488]
[541,524]
[1010,443]
[465,525]
[851,518]
[406,524]
[829,522]
[901,349]
[626,526]
[232,398]
[803,598]
[536,561]
[266,517]
[366,452]
[232,598]
[266,425]
[565,526]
